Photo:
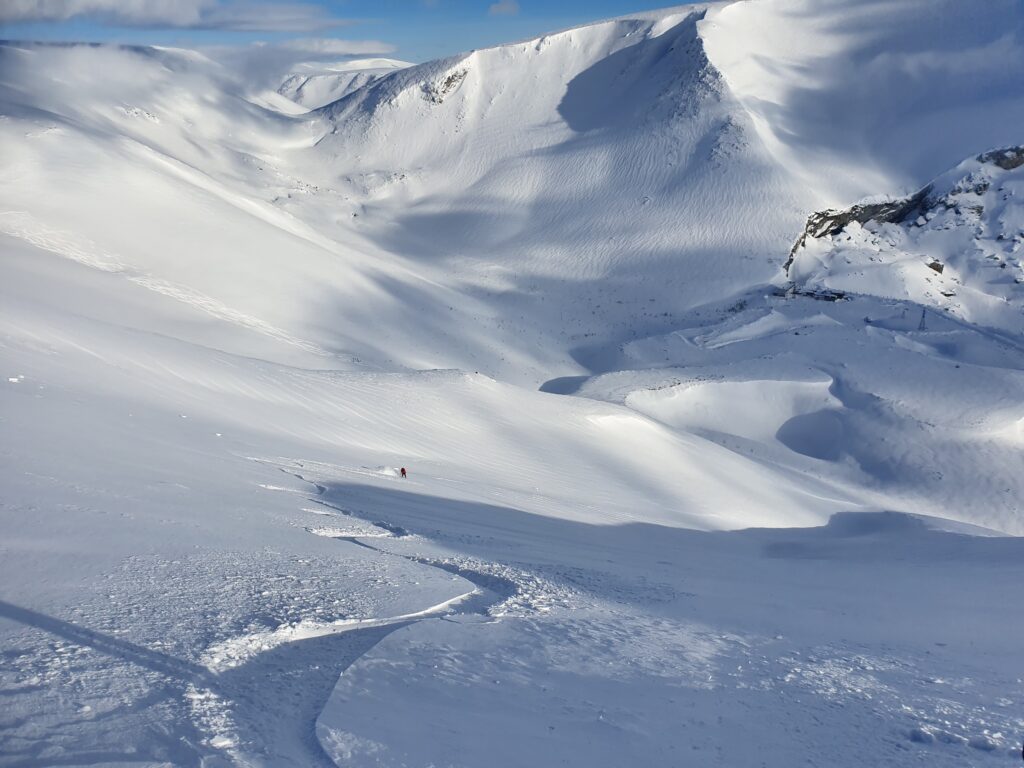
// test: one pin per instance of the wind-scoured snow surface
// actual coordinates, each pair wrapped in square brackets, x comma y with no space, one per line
[700,333]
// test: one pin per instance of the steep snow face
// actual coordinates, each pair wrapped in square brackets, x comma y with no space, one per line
[165,175]
[957,246]
[315,85]
[864,96]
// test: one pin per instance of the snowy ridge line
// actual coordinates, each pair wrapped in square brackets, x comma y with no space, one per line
[23,225]
[312,86]
[425,74]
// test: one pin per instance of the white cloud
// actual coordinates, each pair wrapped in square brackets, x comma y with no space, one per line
[265,64]
[248,15]
[330,46]
[270,16]
[169,12]
[504,8]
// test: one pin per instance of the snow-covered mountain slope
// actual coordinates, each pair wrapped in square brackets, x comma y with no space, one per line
[608,165]
[225,323]
[314,85]
[637,167]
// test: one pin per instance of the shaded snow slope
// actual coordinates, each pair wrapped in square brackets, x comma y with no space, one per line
[671,668]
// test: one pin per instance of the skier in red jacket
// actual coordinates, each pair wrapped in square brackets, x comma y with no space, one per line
[403,472]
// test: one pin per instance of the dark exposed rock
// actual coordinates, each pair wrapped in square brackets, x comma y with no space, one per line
[821,294]
[832,221]
[437,91]
[1007,158]
[938,266]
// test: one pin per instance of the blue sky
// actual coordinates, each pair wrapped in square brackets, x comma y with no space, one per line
[415,30]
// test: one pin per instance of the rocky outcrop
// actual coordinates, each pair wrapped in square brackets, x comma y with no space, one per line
[435,92]
[1007,159]
[832,221]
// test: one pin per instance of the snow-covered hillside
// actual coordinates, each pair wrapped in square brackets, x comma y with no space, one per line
[314,85]
[589,183]
[693,478]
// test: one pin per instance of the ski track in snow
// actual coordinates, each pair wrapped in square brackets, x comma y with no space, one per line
[307,654]
[254,699]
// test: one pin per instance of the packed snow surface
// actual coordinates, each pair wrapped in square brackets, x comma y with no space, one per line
[700,333]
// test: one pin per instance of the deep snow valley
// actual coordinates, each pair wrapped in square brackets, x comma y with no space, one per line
[700,333]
